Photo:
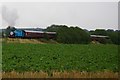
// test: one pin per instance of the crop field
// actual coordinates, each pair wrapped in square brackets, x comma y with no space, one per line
[57,58]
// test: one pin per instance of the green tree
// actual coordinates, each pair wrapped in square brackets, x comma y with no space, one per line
[100,32]
[70,35]
[114,36]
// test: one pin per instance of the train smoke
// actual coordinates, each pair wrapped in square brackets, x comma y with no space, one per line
[10,16]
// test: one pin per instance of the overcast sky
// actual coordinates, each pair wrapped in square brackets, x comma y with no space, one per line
[87,15]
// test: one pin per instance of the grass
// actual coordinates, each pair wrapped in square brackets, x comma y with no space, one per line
[65,74]
[59,58]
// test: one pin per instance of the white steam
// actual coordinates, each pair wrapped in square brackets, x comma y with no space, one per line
[10,16]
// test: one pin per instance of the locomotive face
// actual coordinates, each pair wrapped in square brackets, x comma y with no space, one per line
[11,33]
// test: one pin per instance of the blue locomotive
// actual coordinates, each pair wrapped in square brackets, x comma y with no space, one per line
[17,33]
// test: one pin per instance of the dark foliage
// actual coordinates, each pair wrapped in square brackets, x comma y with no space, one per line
[70,35]
[113,35]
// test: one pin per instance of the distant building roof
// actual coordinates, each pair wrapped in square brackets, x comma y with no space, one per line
[51,32]
[98,36]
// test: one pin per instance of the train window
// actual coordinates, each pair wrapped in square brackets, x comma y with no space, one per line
[26,33]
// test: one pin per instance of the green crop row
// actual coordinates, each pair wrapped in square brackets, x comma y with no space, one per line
[59,57]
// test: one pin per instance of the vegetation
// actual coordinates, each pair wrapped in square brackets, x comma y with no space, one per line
[65,74]
[114,35]
[70,35]
[59,57]
[76,35]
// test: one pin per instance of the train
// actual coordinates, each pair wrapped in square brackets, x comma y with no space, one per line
[31,34]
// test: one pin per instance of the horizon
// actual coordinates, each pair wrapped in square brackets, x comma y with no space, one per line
[66,25]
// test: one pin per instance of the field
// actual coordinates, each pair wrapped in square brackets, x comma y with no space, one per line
[59,60]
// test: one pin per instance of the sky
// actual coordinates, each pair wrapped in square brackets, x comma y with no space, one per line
[86,15]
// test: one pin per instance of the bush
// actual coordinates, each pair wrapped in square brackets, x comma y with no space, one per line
[70,35]
[114,36]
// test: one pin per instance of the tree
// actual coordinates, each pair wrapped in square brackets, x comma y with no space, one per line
[70,35]
[114,36]
[100,32]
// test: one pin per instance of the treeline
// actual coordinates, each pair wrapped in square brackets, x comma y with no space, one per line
[70,35]
[76,35]
[113,35]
